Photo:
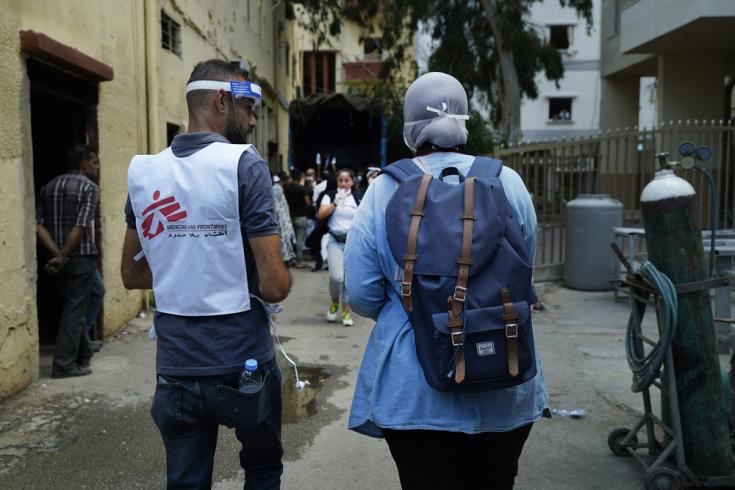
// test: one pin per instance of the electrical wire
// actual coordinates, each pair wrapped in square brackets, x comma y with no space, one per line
[647,368]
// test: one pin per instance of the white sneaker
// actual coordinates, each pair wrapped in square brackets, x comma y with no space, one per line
[332,314]
[347,320]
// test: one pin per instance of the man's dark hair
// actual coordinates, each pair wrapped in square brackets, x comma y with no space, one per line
[295,174]
[214,69]
[77,154]
[217,70]
[283,176]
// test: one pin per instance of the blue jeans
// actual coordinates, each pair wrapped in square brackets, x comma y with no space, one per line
[95,302]
[336,258]
[188,411]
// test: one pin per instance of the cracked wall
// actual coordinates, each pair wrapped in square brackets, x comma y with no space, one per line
[115,34]
[117,39]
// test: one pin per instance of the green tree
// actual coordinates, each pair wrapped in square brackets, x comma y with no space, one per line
[486,44]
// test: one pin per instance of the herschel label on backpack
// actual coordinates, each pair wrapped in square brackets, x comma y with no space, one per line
[466,276]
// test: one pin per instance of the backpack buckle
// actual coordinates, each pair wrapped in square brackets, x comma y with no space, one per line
[406,289]
[458,339]
[460,294]
[511,330]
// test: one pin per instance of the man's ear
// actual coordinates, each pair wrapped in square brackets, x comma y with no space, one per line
[220,100]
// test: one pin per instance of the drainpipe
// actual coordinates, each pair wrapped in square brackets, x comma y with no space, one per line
[276,48]
[151,72]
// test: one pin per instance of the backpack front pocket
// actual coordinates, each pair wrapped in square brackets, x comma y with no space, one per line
[487,338]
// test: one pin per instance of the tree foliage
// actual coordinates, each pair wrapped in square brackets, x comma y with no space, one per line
[465,44]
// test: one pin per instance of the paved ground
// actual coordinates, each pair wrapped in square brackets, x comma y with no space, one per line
[96,432]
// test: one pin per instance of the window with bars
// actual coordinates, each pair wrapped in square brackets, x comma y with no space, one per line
[170,34]
[319,72]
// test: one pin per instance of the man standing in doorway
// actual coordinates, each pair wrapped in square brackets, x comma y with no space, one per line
[203,234]
[65,227]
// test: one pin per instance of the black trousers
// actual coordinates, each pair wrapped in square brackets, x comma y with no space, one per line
[72,342]
[441,460]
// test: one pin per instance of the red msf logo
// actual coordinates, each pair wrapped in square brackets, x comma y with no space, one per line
[164,210]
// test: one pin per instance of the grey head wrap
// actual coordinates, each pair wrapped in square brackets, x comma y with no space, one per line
[435,111]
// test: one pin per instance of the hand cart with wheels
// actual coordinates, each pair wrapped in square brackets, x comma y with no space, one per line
[663,458]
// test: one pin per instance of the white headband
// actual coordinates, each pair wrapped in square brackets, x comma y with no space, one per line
[208,85]
[250,90]
[441,112]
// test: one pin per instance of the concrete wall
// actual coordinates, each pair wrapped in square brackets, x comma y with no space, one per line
[619,104]
[226,29]
[645,21]
[347,47]
[581,79]
[115,34]
[18,321]
[691,85]
[686,44]
[117,41]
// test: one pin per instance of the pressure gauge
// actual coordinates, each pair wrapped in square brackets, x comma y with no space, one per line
[687,163]
[703,153]
[686,149]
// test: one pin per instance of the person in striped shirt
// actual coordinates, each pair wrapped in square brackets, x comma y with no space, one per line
[65,219]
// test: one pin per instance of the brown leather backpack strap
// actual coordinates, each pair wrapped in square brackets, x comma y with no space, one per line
[510,317]
[409,260]
[457,301]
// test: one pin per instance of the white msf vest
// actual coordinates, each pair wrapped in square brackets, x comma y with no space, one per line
[188,220]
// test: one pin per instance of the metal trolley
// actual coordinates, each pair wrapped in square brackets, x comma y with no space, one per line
[663,459]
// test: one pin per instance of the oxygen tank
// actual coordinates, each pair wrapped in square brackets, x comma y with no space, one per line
[674,242]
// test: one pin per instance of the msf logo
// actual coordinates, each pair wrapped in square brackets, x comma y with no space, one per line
[164,210]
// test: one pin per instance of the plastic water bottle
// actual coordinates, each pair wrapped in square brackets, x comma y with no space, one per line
[250,381]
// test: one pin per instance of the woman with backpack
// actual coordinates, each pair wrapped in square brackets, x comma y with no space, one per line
[339,208]
[440,254]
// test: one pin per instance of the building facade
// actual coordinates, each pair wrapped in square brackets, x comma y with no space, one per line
[111,75]
[686,45]
[339,116]
[569,107]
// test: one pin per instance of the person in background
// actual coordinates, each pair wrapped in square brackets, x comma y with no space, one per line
[360,181]
[65,226]
[299,203]
[339,208]
[320,187]
[310,174]
[288,238]
[314,239]
[372,174]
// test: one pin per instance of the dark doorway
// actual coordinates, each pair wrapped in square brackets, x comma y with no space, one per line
[63,112]
[345,127]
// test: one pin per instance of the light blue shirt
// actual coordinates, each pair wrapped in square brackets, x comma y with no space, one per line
[391,391]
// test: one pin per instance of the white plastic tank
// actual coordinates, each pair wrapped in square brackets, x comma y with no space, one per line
[589,262]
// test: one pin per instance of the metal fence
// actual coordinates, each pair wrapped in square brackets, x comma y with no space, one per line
[619,163]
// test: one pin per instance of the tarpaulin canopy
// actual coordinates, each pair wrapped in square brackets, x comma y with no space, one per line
[304,110]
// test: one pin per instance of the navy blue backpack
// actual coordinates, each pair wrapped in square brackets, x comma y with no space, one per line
[466,276]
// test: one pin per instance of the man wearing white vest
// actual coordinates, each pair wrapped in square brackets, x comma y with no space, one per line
[203,234]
